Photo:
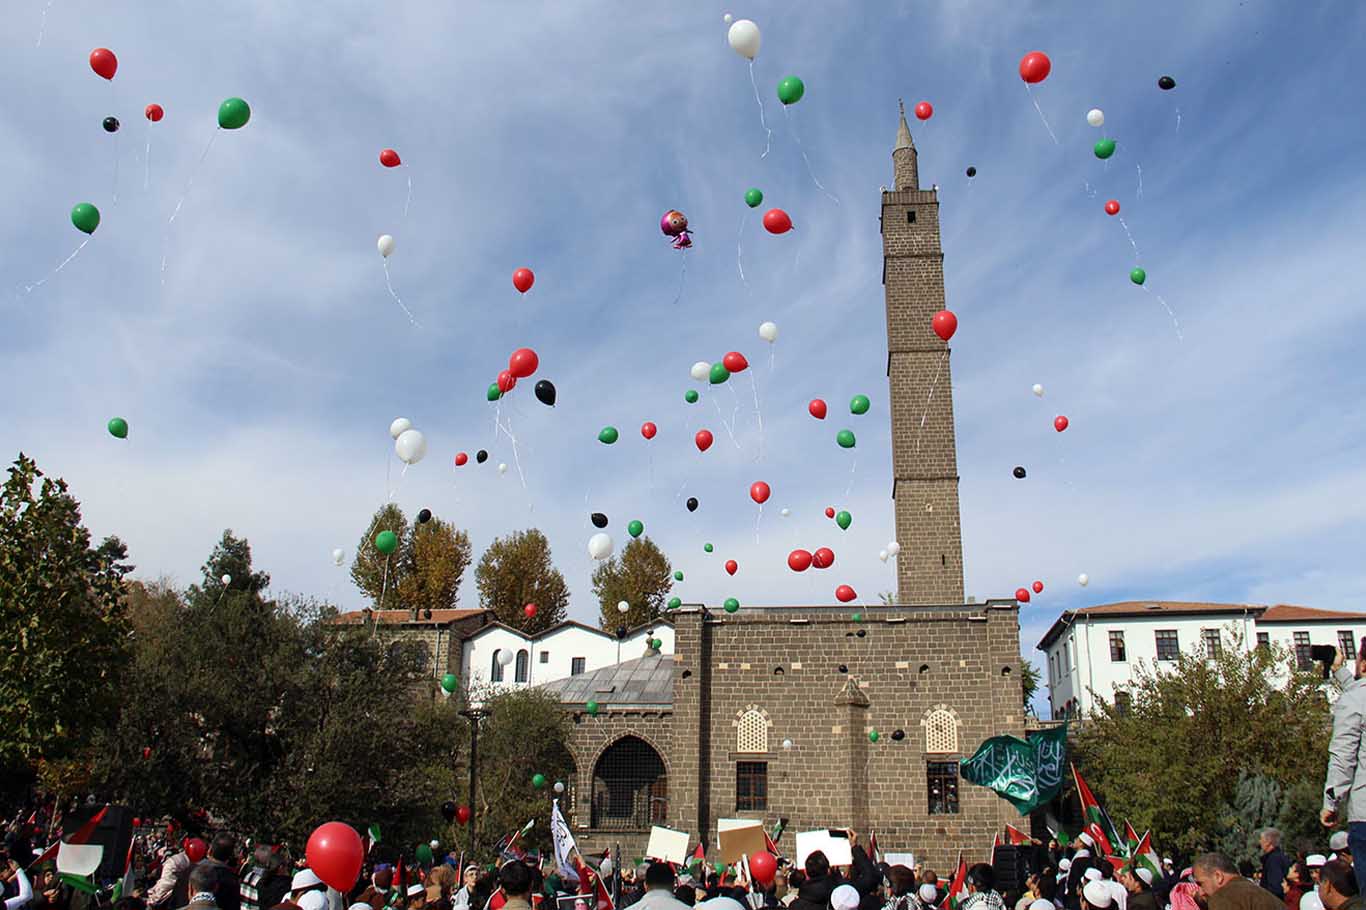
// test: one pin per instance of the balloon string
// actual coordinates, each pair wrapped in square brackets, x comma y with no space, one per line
[739,239]
[682,278]
[44,280]
[852,468]
[116,168]
[516,458]
[384,586]
[792,130]
[758,518]
[1178,119]
[754,387]
[166,237]
[1041,116]
[1131,238]
[1139,194]
[924,416]
[735,411]
[409,201]
[729,432]
[1170,312]
[763,122]
[42,23]
[394,294]
[147,159]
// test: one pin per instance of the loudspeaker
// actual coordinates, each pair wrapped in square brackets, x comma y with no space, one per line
[114,833]
[1011,866]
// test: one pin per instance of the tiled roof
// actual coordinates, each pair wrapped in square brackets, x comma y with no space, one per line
[391,617]
[1164,606]
[643,681]
[1131,608]
[1293,613]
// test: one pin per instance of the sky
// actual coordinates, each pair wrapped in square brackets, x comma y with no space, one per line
[260,367]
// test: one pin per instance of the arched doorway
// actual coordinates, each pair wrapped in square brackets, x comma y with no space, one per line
[630,786]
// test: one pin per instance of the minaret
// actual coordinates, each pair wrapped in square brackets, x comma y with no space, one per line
[924,458]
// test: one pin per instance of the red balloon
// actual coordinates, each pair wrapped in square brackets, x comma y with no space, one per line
[823,558]
[799,560]
[137,823]
[523,279]
[1038,587]
[776,221]
[529,611]
[648,429]
[732,567]
[460,459]
[704,439]
[844,594]
[196,849]
[924,110]
[335,853]
[506,381]
[944,324]
[462,815]
[1112,207]
[1060,423]
[735,362]
[523,362]
[146,752]
[829,511]
[154,112]
[389,158]
[762,868]
[1035,67]
[103,62]
[816,408]
[1022,595]
[759,492]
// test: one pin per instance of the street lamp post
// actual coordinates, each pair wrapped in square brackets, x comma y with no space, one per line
[474,715]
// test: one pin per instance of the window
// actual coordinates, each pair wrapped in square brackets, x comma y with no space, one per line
[1117,647]
[751,786]
[1123,702]
[523,665]
[1168,647]
[545,657]
[941,731]
[1264,641]
[1346,645]
[751,732]
[496,674]
[1302,659]
[910,216]
[1066,659]
[630,786]
[576,666]
[1210,637]
[941,781]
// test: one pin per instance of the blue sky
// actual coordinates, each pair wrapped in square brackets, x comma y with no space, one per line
[260,379]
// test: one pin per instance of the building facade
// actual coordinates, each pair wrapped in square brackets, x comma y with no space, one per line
[566,650]
[1094,653]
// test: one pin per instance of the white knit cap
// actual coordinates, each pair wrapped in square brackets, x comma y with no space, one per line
[1086,839]
[1064,864]
[1338,842]
[844,898]
[313,900]
[1314,860]
[304,878]
[415,890]
[1097,894]
[1145,874]
[1093,874]
[928,893]
[1042,903]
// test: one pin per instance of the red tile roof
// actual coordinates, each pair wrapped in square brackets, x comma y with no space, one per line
[390,617]
[1260,612]
[1293,613]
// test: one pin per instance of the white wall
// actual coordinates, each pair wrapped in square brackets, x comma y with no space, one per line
[559,647]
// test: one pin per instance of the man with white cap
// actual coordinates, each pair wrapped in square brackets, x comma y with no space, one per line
[1076,874]
[1138,883]
[1338,844]
[1096,896]
[844,897]
[304,881]
[982,895]
[926,897]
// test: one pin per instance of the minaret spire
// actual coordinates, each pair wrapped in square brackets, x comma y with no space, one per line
[905,171]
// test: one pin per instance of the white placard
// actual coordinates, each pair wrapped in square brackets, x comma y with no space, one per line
[899,859]
[79,859]
[667,845]
[836,849]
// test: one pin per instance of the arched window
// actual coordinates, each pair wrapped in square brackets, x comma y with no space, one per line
[496,674]
[941,731]
[630,786]
[751,732]
[523,665]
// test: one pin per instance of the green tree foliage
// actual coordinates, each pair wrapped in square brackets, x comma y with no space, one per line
[424,573]
[515,571]
[641,576]
[1203,744]
[62,622]
[1029,680]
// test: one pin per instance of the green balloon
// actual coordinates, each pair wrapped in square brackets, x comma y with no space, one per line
[675,603]
[86,217]
[690,396]
[233,114]
[592,708]
[731,605]
[754,197]
[538,780]
[424,854]
[656,643]
[706,548]
[719,373]
[857,617]
[844,520]
[1105,148]
[494,394]
[678,575]
[790,90]
[635,528]
[386,542]
[450,682]
[608,435]
[873,736]
[118,427]
[720,868]
[845,438]
[860,404]
[1138,276]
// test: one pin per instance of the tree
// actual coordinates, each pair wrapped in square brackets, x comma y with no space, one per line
[1029,680]
[424,573]
[515,571]
[62,621]
[1173,761]
[641,576]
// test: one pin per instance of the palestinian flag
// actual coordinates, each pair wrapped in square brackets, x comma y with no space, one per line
[1130,839]
[777,833]
[957,888]
[698,858]
[1145,857]
[997,842]
[79,836]
[873,853]
[1098,824]
[1016,836]
[507,847]
[590,879]
[125,885]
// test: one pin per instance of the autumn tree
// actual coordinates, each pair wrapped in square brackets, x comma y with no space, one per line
[641,576]
[424,573]
[515,571]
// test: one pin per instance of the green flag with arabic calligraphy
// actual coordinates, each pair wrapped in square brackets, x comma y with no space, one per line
[1027,773]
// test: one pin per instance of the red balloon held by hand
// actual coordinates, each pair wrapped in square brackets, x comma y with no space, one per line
[1022,595]
[829,511]
[1060,423]
[389,158]
[735,362]
[1112,207]
[759,492]
[799,560]
[648,429]
[196,849]
[776,221]
[523,279]
[146,752]
[704,439]
[924,110]
[763,867]
[506,381]
[823,558]
[816,408]
[462,815]
[1035,67]
[460,459]
[104,63]
[1038,587]
[154,112]
[944,324]
[335,853]
[523,362]
[732,567]
[844,594]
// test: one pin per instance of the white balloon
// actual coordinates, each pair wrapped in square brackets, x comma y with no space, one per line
[728,18]
[744,38]
[623,607]
[768,331]
[505,657]
[385,244]
[434,844]
[785,512]
[226,579]
[339,556]
[1095,116]
[502,467]
[893,548]
[399,425]
[700,371]
[559,786]
[1037,390]
[787,744]
[1083,579]
[411,446]
[882,555]
[600,545]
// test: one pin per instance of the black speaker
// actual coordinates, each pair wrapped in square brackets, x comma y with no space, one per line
[114,833]
[1011,866]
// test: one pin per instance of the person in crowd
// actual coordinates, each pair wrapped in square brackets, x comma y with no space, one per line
[795,879]
[175,869]
[981,884]
[901,893]
[1030,894]
[1338,845]
[1138,882]
[821,881]
[462,898]
[223,854]
[205,883]
[266,882]
[1338,887]
[660,882]
[685,895]
[1224,889]
[1096,896]
[441,883]
[1076,872]
[1297,882]
[1314,862]
[1344,787]
[14,875]
[515,881]
[376,894]
[305,881]
[416,897]
[926,897]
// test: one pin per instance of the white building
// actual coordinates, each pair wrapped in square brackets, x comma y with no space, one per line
[567,649]
[1092,653]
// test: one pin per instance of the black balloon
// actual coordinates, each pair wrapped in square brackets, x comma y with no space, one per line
[1019,472]
[972,172]
[599,520]
[424,516]
[898,735]
[692,503]
[448,811]
[545,392]
[481,456]
[843,668]
[862,632]
[1166,83]
[111,124]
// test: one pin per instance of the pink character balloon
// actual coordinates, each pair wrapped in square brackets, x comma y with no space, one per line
[675,224]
